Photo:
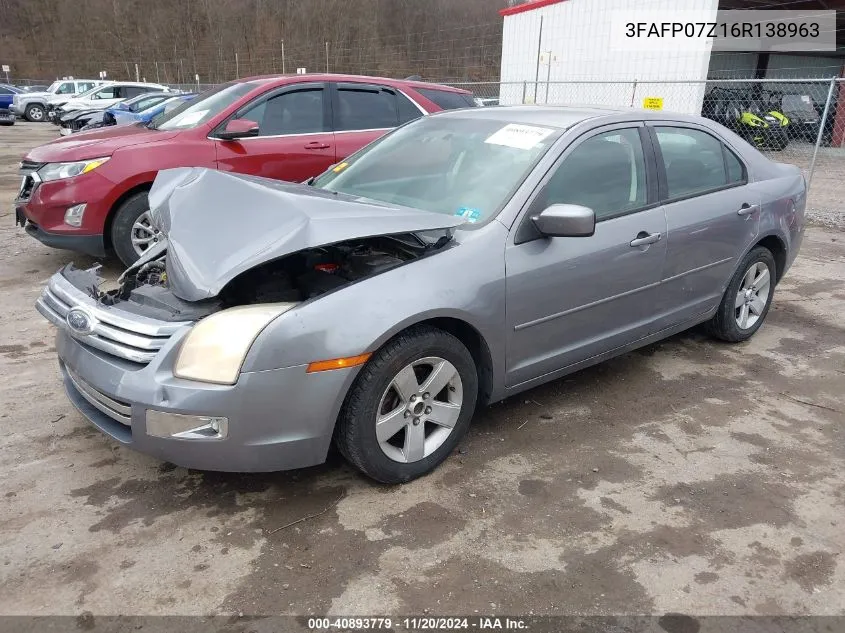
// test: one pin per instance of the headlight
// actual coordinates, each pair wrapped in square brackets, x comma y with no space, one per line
[215,349]
[57,171]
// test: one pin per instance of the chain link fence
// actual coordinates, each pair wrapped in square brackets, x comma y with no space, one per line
[798,121]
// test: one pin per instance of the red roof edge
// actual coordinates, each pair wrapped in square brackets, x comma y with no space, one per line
[528,6]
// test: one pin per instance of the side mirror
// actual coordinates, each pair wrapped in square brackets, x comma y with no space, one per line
[565,220]
[239,128]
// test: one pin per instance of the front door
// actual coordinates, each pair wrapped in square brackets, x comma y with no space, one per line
[294,141]
[569,299]
[713,217]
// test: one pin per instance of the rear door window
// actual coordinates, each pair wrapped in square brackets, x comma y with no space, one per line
[448,100]
[365,108]
[736,170]
[694,161]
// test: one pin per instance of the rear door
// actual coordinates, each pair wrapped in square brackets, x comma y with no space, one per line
[295,140]
[712,213]
[363,112]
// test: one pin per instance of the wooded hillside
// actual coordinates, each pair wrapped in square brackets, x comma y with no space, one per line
[172,40]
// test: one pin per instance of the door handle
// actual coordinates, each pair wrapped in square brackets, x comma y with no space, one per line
[748,209]
[644,238]
[317,145]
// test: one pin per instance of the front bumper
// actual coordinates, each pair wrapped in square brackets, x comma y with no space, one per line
[277,420]
[92,245]
[41,207]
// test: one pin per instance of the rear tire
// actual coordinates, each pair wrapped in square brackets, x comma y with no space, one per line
[747,299]
[35,113]
[125,226]
[414,435]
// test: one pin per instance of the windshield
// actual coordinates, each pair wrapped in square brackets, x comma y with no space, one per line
[455,166]
[203,108]
[54,86]
[798,103]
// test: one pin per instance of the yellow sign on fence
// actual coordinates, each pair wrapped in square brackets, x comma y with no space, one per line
[653,103]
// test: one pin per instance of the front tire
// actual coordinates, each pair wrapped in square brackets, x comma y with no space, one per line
[132,232]
[747,299]
[409,406]
[35,113]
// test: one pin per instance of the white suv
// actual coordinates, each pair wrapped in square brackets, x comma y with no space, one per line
[33,105]
[103,96]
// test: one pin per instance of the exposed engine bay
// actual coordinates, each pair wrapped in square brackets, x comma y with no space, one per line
[296,277]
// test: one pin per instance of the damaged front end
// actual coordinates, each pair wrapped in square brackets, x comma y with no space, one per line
[290,244]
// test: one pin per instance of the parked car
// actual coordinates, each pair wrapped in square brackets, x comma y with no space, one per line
[32,105]
[140,108]
[459,260]
[101,97]
[92,196]
[122,116]
[7,92]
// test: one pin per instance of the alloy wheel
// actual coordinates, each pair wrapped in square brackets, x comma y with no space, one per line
[753,295]
[419,409]
[144,234]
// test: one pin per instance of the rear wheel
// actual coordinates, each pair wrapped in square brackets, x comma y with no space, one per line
[132,231]
[34,112]
[409,406]
[747,300]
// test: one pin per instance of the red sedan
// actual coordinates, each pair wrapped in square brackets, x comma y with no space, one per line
[88,192]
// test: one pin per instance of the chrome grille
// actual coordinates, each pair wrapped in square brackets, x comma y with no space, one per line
[30,180]
[116,332]
[116,410]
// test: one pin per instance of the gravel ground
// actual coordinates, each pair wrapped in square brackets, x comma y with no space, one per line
[687,476]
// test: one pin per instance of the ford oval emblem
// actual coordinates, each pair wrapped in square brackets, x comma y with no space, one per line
[79,321]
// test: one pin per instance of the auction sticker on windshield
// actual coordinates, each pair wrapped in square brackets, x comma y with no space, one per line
[189,118]
[519,136]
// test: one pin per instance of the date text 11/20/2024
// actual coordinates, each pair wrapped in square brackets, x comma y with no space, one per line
[423,623]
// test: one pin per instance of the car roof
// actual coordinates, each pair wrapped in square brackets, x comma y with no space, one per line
[555,116]
[566,116]
[265,80]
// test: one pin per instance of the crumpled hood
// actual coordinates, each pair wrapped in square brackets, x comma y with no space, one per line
[219,225]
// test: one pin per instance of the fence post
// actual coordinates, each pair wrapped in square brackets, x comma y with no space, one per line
[820,135]
[634,93]
[524,88]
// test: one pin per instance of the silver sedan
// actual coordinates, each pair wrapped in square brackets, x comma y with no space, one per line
[461,259]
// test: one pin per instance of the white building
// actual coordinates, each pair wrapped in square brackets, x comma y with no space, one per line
[548,41]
